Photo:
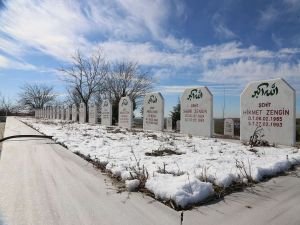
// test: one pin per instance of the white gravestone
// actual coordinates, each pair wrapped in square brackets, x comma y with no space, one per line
[58,112]
[68,112]
[62,113]
[169,124]
[125,112]
[229,127]
[48,112]
[153,118]
[269,107]
[178,125]
[106,113]
[93,113]
[74,112]
[82,113]
[197,112]
[54,112]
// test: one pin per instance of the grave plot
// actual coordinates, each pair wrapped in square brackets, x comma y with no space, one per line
[180,169]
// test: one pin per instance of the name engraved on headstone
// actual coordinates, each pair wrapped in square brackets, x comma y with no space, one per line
[268,112]
[197,112]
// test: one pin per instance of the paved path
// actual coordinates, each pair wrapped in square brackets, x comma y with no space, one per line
[43,183]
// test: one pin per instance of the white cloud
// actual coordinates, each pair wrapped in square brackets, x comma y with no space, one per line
[268,16]
[52,27]
[244,71]
[221,30]
[6,63]
[58,28]
[146,54]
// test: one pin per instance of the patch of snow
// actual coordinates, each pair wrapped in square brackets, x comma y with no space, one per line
[183,190]
[132,185]
[179,177]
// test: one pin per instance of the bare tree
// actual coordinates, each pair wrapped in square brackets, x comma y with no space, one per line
[85,77]
[36,96]
[126,79]
[6,106]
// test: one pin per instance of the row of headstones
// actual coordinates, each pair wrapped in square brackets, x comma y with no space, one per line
[268,112]
[72,113]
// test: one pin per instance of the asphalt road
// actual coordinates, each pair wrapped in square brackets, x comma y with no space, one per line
[43,183]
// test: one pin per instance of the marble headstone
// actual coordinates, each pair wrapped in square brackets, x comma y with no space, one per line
[197,112]
[68,112]
[62,113]
[169,124]
[58,112]
[268,108]
[93,113]
[178,125]
[125,112]
[82,113]
[229,127]
[74,112]
[54,112]
[106,113]
[50,112]
[153,118]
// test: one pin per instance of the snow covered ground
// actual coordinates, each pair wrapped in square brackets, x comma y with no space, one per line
[187,175]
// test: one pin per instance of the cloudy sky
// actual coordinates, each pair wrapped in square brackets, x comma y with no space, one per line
[219,44]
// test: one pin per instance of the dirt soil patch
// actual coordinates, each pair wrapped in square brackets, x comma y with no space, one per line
[163,152]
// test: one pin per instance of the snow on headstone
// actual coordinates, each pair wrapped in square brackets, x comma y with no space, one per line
[106,113]
[229,127]
[197,112]
[125,112]
[82,113]
[74,112]
[268,108]
[93,113]
[153,118]
[169,123]
[68,112]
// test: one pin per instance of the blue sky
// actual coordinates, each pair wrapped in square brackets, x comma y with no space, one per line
[219,44]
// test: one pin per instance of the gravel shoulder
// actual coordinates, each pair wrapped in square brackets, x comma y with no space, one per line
[2,127]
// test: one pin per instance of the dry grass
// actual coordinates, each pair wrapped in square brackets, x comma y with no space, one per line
[2,126]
